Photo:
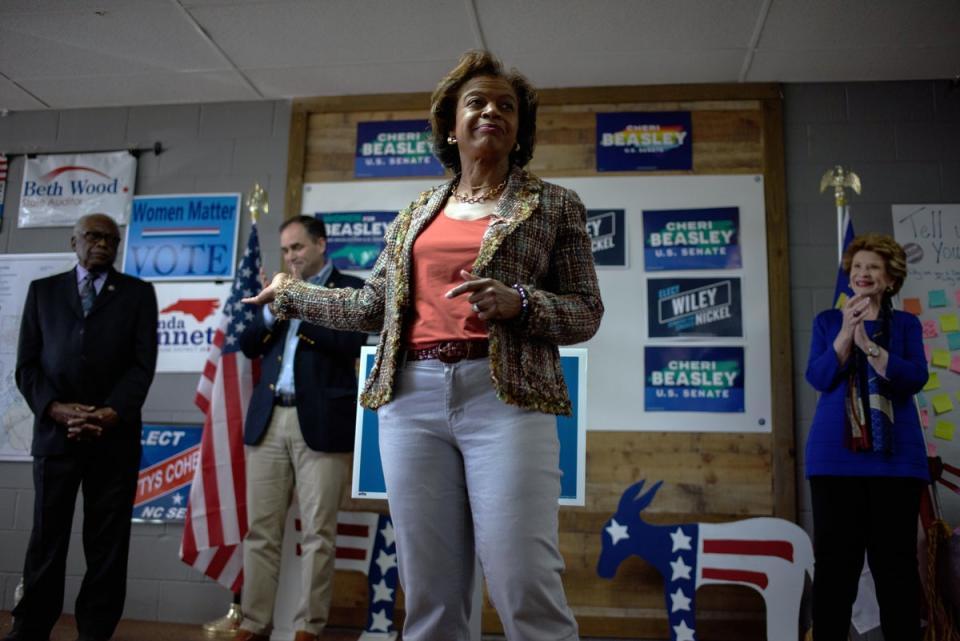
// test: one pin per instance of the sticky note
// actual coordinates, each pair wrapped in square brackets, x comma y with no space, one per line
[924,418]
[949,323]
[941,358]
[932,383]
[942,403]
[955,363]
[913,306]
[937,298]
[953,340]
[930,329]
[944,430]
[921,399]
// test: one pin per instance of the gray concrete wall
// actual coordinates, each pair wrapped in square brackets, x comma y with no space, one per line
[221,147]
[903,139]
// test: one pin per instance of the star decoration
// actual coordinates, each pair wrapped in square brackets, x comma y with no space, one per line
[388,536]
[682,632]
[381,592]
[245,272]
[382,623]
[616,531]
[241,326]
[679,601]
[680,540]
[386,561]
[178,499]
[231,340]
[680,569]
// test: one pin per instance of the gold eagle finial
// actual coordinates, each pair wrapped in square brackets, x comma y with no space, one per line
[839,178]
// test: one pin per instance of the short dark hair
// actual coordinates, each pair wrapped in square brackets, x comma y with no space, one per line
[313,224]
[893,255]
[443,107]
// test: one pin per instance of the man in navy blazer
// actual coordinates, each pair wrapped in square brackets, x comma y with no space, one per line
[299,435]
[85,361]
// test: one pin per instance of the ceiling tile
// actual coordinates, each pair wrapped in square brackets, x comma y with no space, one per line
[13,97]
[333,80]
[862,63]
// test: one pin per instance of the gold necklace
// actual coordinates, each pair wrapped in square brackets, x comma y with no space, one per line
[475,200]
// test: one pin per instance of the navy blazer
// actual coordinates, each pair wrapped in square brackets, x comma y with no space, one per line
[324,373]
[106,359]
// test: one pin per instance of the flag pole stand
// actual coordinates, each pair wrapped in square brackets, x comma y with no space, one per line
[227,625]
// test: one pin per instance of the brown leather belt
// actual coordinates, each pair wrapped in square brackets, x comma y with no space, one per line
[451,351]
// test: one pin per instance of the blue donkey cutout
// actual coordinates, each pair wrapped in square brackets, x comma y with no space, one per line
[772,556]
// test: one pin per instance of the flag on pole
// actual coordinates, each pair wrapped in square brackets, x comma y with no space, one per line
[842,291]
[217,511]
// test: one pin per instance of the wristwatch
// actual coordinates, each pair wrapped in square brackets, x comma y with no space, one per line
[872,350]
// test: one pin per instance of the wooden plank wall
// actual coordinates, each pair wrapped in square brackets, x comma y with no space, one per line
[737,129]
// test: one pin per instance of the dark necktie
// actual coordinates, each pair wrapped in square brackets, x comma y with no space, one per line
[88,293]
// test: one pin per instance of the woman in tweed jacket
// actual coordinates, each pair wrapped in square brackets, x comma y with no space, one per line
[480,280]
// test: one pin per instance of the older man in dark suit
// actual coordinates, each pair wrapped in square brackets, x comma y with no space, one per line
[299,432]
[86,358]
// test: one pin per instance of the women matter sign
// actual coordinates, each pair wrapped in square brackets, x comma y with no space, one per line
[393,148]
[58,190]
[182,237]
[693,379]
[355,239]
[691,239]
[644,141]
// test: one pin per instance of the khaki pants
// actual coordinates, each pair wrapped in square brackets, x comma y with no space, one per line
[281,464]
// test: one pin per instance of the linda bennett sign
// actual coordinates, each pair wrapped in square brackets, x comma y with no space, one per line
[182,237]
[395,148]
[644,141]
[58,190]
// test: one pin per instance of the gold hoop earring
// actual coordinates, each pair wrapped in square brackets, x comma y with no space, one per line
[451,140]
[516,147]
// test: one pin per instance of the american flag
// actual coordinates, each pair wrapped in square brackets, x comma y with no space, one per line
[217,512]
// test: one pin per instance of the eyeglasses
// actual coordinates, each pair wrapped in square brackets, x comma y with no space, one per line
[96,237]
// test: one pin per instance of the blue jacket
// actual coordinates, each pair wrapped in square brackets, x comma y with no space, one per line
[826,454]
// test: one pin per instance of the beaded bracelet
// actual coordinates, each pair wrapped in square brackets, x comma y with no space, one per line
[524,303]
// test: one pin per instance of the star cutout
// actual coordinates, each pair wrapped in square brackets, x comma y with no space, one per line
[682,632]
[680,569]
[680,540]
[679,601]
[388,536]
[178,499]
[381,622]
[381,592]
[386,561]
[616,531]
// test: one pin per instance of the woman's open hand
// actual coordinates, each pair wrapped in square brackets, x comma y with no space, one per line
[490,299]
[268,293]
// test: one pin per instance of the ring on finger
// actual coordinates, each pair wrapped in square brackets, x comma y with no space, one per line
[476,307]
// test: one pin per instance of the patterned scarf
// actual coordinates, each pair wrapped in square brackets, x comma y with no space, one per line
[869,408]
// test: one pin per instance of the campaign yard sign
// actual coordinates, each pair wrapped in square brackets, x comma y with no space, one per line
[608,237]
[694,307]
[391,148]
[706,238]
[183,237]
[693,379]
[170,455]
[355,239]
[644,141]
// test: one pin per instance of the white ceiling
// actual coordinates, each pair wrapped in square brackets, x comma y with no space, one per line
[87,53]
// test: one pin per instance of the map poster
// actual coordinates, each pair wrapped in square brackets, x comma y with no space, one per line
[16,272]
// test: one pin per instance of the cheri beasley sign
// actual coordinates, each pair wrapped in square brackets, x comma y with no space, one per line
[57,190]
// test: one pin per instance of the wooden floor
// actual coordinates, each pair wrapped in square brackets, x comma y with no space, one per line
[66,630]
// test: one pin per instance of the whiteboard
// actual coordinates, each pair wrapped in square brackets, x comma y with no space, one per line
[616,375]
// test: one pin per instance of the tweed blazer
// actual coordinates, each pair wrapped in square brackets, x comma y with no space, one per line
[536,238]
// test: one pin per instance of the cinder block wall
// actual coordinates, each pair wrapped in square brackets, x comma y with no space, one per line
[217,147]
[903,139]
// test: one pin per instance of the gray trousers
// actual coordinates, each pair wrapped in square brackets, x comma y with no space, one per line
[465,474]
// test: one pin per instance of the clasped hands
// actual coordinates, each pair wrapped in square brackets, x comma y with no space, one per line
[854,313]
[83,422]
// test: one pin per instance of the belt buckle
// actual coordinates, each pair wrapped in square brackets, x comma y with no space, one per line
[452,351]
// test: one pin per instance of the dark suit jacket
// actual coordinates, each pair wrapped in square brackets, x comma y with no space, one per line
[324,374]
[106,359]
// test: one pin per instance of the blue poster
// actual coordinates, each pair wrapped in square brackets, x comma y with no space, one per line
[170,456]
[355,239]
[693,379]
[182,237]
[644,141]
[391,148]
[368,481]
[691,239]
[694,307]
[608,237]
